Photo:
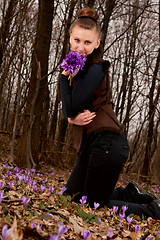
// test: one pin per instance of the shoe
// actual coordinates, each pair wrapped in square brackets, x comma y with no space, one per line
[137,195]
[155,206]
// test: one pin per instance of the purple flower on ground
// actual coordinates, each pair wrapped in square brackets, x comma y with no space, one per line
[20,177]
[54,237]
[96,205]
[34,188]
[86,234]
[1,196]
[51,189]
[122,216]
[33,183]
[43,187]
[83,200]
[99,220]
[129,220]
[39,174]
[27,179]
[62,229]
[137,228]
[38,227]
[115,209]
[124,208]
[5,232]
[1,185]
[110,233]
[33,225]
[11,184]
[25,201]
[63,189]
[28,172]
[46,180]
[16,169]
[149,238]
[73,63]
[9,173]
[33,171]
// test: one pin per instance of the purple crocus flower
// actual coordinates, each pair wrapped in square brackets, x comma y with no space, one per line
[96,205]
[64,189]
[25,201]
[27,179]
[33,171]
[38,227]
[16,169]
[1,185]
[33,183]
[20,177]
[73,63]
[43,187]
[33,225]
[9,173]
[149,238]
[115,209]
[137,228]
[5,232]
[122,216]
[34,188]
[62,229]
[83,200]
[55,237]
[110,233]
[129,220]
[1,196]
[86,234]
[11,184]
[51,189]
[99,220]
[124,208]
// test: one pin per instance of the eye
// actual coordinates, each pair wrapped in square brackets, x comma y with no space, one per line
[76,39]
[87,42]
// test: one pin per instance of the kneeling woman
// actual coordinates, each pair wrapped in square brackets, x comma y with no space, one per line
[98,135]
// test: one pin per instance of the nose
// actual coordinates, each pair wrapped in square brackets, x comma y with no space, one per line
[81,47]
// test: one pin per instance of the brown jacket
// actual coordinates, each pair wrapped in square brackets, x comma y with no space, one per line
[105,117]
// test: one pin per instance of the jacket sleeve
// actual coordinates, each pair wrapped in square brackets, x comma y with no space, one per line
[76,99]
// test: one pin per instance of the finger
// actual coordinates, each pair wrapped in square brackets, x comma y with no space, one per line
[86,122]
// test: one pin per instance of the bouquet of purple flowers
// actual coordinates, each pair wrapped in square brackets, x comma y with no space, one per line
[73,63]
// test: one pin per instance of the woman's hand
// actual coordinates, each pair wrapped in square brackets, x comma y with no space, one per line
[83,118]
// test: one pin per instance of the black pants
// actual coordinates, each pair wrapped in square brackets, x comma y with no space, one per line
[97,171]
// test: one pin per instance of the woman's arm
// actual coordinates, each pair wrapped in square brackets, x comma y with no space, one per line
[83,118]
[77,99]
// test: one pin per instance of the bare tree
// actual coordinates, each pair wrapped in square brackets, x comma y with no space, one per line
[30,142]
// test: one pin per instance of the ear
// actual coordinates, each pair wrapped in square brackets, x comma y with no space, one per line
[98,43]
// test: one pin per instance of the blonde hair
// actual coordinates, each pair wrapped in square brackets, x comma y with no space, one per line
[87,19]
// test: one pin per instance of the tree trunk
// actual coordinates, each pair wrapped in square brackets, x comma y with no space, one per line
[152,107]
[30,142]
[62,126]
[108,12]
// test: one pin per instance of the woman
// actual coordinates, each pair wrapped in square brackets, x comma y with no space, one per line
[98,135]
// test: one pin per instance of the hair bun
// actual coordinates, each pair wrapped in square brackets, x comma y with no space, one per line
[88,12]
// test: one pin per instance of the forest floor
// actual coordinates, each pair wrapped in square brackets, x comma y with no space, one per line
[32,206]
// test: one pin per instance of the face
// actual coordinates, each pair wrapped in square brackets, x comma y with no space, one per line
[84,40]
